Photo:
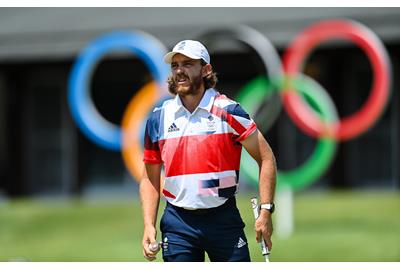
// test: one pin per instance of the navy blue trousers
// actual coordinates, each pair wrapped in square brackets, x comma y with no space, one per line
[187,234]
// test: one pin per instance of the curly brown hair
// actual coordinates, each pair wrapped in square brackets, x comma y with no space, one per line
[210,81]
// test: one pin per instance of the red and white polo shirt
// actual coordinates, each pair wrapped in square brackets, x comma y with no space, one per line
[200,150]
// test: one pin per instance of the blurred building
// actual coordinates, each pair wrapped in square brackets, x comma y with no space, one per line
[43,152]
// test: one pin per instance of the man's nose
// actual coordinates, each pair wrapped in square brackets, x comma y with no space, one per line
[179,70]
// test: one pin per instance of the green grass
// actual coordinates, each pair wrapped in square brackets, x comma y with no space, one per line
[334,226]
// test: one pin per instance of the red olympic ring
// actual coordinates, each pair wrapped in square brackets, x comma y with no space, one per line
[293,60]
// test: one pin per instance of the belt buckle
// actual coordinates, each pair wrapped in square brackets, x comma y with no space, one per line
[189,208]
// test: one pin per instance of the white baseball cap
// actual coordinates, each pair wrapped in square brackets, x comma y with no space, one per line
[191,48]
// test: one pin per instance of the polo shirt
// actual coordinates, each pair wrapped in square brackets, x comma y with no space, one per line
[200,151]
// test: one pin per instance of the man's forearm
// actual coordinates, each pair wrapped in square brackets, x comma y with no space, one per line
[267,181]
[259,149]
[150,198]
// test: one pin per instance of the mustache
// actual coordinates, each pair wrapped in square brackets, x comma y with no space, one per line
[181,76]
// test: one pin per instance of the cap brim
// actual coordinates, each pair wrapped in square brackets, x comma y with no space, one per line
[168,57]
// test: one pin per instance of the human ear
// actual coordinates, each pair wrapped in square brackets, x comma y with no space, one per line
[207,70]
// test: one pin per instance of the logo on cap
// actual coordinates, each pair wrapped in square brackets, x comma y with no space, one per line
[181,46]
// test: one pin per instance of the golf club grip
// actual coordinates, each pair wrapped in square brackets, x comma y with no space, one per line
[256,212]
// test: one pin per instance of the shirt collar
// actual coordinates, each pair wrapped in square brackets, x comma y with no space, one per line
[208,99]
[205,103]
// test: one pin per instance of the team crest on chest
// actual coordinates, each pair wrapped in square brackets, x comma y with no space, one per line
[210,123]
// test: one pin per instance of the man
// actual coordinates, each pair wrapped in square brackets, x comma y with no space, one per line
[198,137]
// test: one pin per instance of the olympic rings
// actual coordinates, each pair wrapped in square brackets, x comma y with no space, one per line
[265,50]
[363,119]
[324,152]
[86,116]
[323,123]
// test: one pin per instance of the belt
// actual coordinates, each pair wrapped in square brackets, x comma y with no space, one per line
[231,202]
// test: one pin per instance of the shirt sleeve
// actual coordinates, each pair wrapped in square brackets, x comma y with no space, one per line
[151,153]
[240,121]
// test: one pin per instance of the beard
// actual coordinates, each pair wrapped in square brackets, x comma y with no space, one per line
[192,88]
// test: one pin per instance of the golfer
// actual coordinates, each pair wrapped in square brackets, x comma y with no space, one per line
[198,137]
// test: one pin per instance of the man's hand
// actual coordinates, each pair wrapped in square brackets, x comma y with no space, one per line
[263,227]
[149,236]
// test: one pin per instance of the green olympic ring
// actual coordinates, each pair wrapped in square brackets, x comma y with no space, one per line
[250,97]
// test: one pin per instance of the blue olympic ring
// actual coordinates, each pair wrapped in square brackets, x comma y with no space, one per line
[84,112]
